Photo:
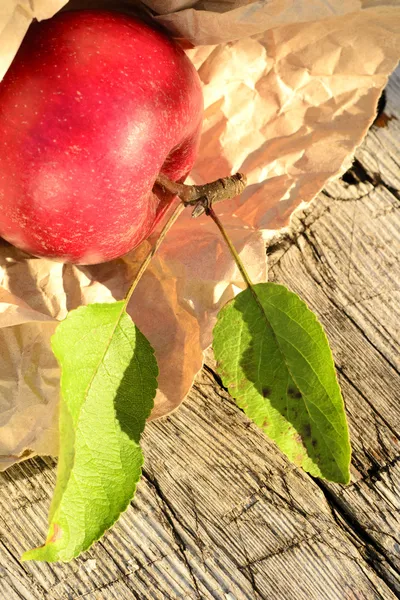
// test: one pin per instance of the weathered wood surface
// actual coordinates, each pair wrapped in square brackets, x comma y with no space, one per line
[220,513]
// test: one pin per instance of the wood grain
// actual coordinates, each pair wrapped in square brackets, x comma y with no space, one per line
[220,513]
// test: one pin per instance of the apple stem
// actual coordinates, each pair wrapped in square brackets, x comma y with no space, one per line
[203,196]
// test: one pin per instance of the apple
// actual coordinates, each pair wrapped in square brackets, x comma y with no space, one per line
[95,105]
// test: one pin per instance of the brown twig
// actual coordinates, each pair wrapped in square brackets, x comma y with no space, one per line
[204,196]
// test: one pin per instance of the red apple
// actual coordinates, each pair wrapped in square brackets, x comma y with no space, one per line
[95,105]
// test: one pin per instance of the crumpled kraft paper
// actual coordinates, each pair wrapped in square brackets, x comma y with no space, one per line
[290,90]
[224,21]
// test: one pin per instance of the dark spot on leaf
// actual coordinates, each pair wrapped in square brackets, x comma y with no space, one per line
[307,430]
[294,392]
[298,439]
[298,460]
[265,423]
[314,443]
[266,391]
[55,535]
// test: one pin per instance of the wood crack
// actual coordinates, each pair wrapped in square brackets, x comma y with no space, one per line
[287,548]
[170,514]
[215,376]
[372,552]
[107,585]
[367,401]
[20,567]
[358,174]
[342,308]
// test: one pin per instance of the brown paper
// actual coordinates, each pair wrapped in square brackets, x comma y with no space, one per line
[214,22]
[287,105]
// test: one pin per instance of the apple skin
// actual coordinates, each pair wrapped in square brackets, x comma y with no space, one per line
[95,105]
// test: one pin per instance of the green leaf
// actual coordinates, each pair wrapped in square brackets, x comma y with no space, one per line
[274,358]
[108,384]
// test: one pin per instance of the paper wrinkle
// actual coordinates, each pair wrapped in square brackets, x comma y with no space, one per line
[224,22]
[287,101]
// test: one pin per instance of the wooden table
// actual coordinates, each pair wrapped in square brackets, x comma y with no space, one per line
[220,513]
